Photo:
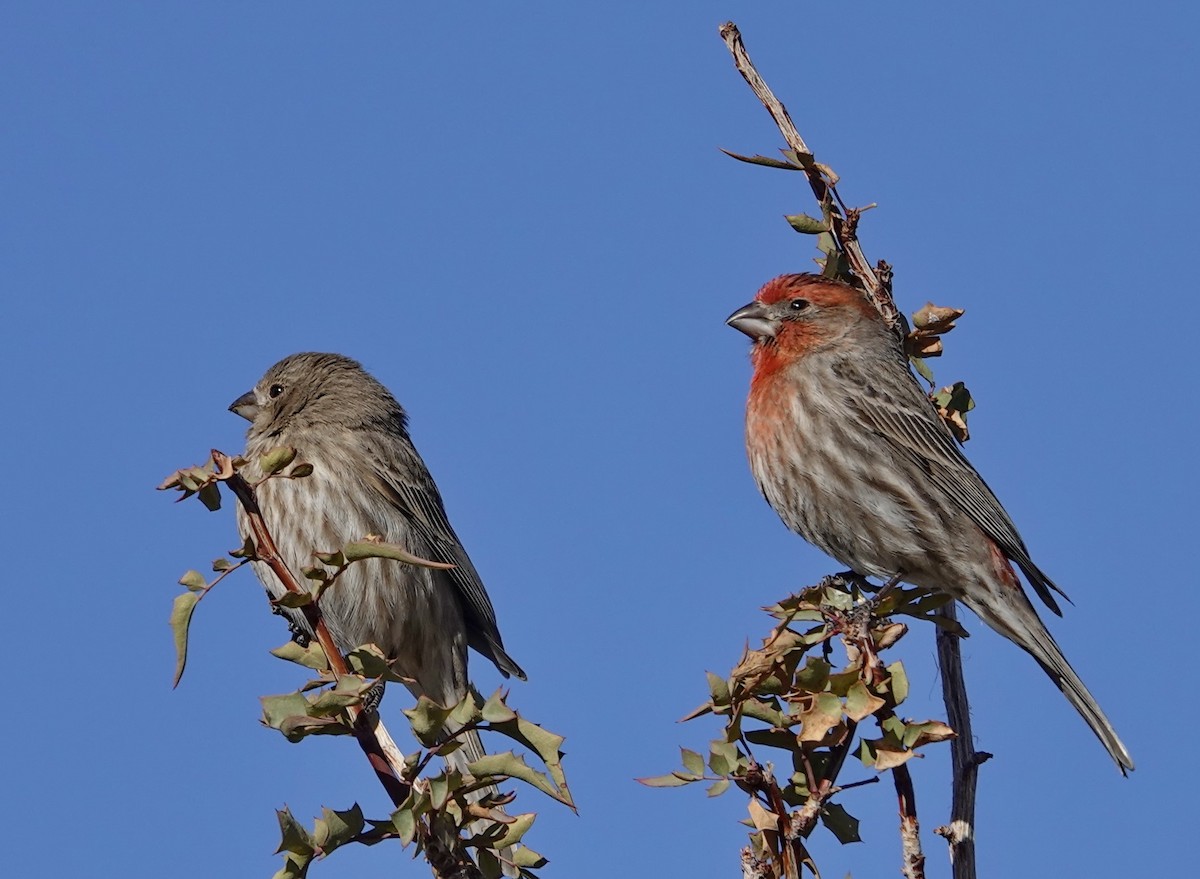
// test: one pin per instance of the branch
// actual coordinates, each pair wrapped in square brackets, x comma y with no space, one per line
[960,832]
[382,753]
[913,866]
[875,281]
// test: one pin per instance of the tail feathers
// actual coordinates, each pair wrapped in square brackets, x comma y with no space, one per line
[1056,666]
[1014,618]
[471,750]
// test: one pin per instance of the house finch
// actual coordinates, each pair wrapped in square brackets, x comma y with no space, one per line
[851,454]
[368,479]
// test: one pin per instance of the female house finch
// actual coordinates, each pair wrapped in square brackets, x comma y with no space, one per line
[852,456]
[368,479]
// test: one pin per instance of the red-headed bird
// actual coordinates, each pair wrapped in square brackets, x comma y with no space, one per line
[851,454]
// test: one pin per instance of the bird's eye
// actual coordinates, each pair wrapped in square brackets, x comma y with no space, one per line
[275,390]
[799,304]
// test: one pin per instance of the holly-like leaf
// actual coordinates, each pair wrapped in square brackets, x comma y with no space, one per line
[334,828]
[510,765]
[861,703]
[824,712]
[841,823]
[427,719]
[293,837]
[210,496]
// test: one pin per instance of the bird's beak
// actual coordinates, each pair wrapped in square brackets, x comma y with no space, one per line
[752,320]
[246,406]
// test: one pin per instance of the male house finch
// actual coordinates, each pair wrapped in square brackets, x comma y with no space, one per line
[852,456]
[368,479]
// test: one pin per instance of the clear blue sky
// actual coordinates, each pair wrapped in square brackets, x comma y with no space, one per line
[517,217]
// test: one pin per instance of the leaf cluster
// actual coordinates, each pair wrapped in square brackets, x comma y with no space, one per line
[791,715]
[445,814]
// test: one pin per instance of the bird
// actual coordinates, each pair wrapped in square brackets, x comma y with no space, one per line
[849,451]
[368,479]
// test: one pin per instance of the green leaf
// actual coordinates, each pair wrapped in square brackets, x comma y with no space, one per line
[294,599]
[276,459]
[194,581]
[181,619]
[918,734]
[544,743]
[773,738]
[294,867]
[332,702]
[310,656]
[297,727]
[923,369]
[276,709]
[827,244]
[495,711]
[334,828]
[527,857]
[210,496]
[300,471]
[815,674]
[722,758]
[764,711]
[763,160]
[897,682]
[372,549]
[807,225]
[222,565]
[719,688]
[861,703]
[405,823]
[718,788]
[670,780]
[510,765]
[692,761]
[514,831]
[294,838]
[369,661]
[427,719]
[842,824]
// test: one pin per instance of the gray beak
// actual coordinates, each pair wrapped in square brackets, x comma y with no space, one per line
[753,320]
[246,406]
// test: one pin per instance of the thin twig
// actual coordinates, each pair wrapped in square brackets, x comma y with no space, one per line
[960,832]
[913,858]
[823,186]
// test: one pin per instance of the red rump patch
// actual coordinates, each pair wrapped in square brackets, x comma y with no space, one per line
[1003,567]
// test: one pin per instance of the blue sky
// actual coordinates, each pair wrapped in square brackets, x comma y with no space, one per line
[517,217]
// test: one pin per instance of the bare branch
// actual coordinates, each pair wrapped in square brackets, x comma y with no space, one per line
[960,832]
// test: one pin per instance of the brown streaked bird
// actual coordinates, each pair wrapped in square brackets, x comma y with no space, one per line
[848,450]
[368,479]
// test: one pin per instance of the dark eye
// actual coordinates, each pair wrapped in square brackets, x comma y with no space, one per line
[798,304]
[275,391]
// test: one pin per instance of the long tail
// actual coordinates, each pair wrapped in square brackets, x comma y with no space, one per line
[1009,612]
[471,751]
